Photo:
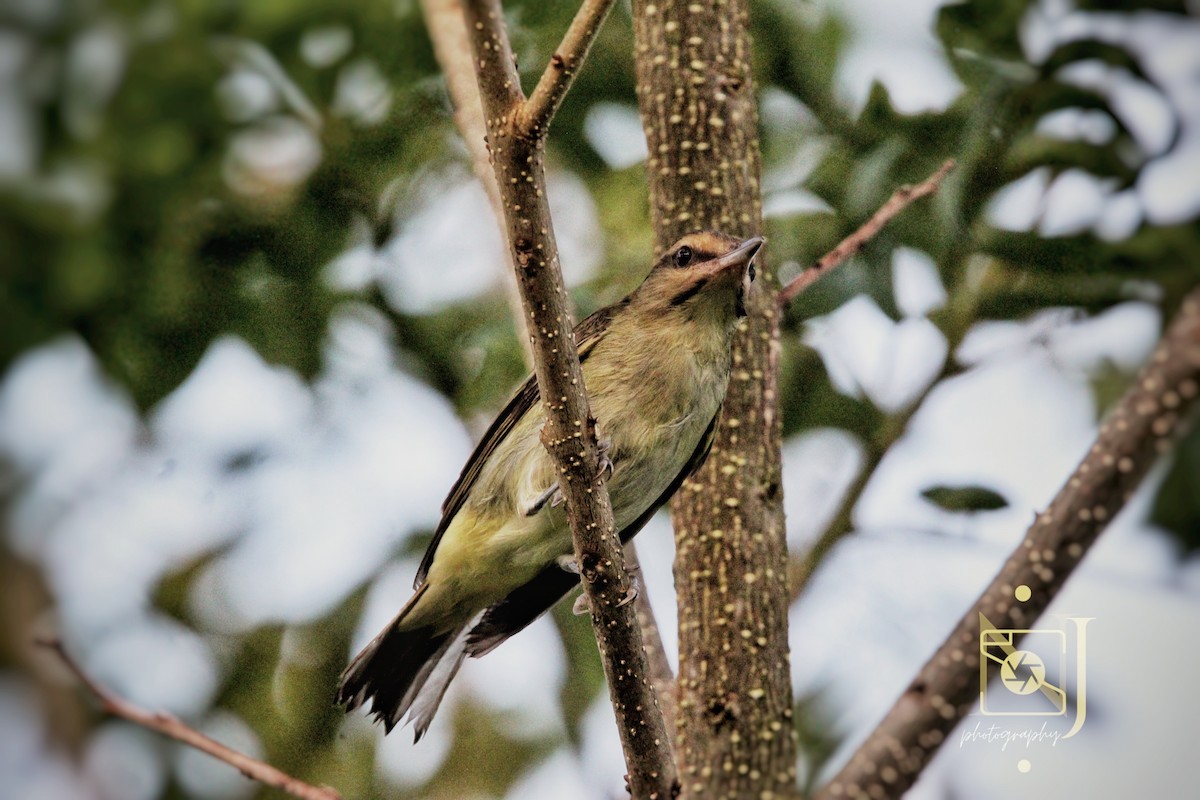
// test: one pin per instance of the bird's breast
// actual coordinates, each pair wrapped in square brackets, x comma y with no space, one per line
[652,405]
[660,404]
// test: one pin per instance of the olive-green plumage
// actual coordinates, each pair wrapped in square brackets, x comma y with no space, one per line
[655,366]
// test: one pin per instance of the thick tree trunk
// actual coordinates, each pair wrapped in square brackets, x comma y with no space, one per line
[735,736]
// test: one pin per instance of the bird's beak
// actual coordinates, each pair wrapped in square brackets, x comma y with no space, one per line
[736,260]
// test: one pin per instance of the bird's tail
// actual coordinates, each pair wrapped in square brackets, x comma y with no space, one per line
[404,672]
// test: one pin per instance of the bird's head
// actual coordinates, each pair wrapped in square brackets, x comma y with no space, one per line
[703,276]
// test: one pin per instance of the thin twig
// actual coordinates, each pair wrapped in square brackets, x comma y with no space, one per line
[564,65]
[569,430]
[174,728]
[452,49]
[901,199]
[1152,414]
[802,567]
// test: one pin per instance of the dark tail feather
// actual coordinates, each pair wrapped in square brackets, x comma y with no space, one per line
[403,671]
[521,607]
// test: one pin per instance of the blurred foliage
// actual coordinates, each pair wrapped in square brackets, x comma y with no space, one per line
[172,238]
[153,218]
[964,498]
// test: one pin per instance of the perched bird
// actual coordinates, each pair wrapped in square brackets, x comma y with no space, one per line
[655,365]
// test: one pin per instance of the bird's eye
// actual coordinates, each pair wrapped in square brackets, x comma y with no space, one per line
[683,256]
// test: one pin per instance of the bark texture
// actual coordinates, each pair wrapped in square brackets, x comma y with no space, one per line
[1144,424]
[734,732]
[515,131]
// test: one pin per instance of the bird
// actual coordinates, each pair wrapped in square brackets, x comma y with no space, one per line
[656,365]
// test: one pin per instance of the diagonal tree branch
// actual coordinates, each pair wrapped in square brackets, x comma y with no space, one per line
[547,96]
[452,47]
[569,431]
[901,199]
[174,728]
[1154,411]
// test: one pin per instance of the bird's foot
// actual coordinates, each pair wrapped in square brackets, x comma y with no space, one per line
[635,589]
[553,495]
[582,606]
[635,583]
[568,563]
[603,448]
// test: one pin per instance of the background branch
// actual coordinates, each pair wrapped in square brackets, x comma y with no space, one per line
[901,199]
[801,568]
[452,48]
[174,728]
[661,675]
[1153,412]
[569,431]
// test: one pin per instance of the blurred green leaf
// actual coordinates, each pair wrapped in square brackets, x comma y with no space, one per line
[1104,161]
[983,28]
[1149,253]
[1169,6]
[964,499]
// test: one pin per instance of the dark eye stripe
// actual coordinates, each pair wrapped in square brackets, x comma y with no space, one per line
[688,294]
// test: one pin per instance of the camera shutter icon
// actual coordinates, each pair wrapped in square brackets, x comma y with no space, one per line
[1023,672]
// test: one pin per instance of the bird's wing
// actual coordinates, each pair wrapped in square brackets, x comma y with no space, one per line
[524,605]
[587,334]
